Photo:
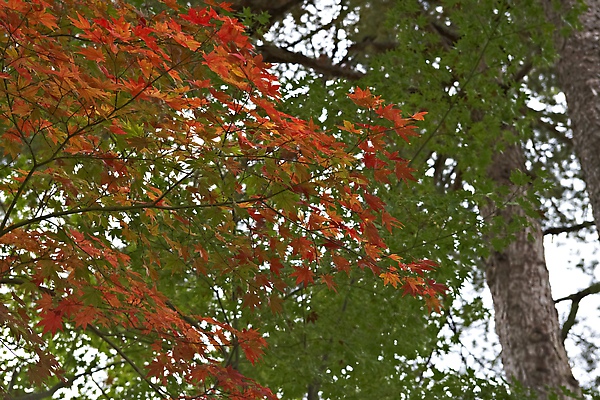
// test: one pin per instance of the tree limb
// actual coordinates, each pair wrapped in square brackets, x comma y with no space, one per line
[20,281]
[137,369]
[447,33]
[61,385]
[46,393]
[576,298]
[323,65]
[564,331]
[566,229]
[592,289]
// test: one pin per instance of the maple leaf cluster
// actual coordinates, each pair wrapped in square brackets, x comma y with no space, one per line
[136,146]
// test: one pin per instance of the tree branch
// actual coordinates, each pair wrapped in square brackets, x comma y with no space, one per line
[564,331]
[446,32]
[371,45]
[576,298]
[62,385]
[566,229]
[46,393]
[107,340]
[137,369]
[322,65]
[21,281]
[156,204]
[523,72]
[592,289]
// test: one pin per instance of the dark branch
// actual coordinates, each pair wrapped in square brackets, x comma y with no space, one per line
[592,289]
[576,298]
[446,32]
[156,204]
[570,320]
[566,229]
[522,72]
[372,46]
[322,65]
[137,369]
[20,281]
[46,393]
[61,385]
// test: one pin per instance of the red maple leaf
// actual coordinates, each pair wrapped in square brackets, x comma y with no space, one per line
[275,266]
[341,263]
[328,280]
[374,202]
[412,286]
[389,222]
[85,316]
[419,116]
[51,321]
[403,171]
[199,16]
[303,275]
[252,343]
[437,287]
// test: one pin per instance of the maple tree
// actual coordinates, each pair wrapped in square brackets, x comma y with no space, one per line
[136,147]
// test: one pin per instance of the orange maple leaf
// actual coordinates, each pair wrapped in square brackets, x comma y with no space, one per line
[364,98]
[390,278]
[433,304]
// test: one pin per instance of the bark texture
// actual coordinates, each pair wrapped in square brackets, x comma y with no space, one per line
[578,72]
[526,319]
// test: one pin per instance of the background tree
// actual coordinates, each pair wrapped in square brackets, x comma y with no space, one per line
[576,72]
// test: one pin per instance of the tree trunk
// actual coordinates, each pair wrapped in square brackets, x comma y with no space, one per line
[578,72]
[526,319]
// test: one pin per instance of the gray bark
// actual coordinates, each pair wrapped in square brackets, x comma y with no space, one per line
[578,72]
[526,319]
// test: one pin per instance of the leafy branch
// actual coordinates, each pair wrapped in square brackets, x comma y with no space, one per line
[161,392]
[60,385]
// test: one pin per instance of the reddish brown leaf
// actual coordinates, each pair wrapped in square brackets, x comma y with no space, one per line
[252,343]
[51,321]
[303,275]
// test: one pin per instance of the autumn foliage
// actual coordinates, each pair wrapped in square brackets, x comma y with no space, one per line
[138,146]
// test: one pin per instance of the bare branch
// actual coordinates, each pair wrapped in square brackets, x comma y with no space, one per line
[566,229]
[446,32]
[523,72]
[373,46]
[592,289]
[323,65]
[564,331]
[576,298]
[46,393]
